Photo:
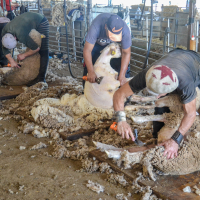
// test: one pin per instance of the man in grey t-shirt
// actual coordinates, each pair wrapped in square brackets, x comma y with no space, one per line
[107,28]
[177,72]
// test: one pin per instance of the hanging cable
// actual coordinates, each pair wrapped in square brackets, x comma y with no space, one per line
[139,21]
[65,11]
[150,36]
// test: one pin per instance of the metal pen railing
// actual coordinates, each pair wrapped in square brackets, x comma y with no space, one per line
[167,31]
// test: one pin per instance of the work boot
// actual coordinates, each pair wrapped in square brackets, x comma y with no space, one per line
[3,59]
[44,61]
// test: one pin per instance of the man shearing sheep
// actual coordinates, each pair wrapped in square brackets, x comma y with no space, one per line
[18,30]
[177,72]
[107,28]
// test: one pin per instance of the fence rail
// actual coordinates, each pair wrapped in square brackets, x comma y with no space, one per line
[169,32]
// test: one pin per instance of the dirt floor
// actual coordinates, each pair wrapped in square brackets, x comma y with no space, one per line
[29,174]
[35,174]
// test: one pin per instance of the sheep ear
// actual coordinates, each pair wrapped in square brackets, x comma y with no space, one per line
[43,36]
[112,51]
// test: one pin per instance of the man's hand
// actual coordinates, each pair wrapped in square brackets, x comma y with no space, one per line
[21,56]
[124,130]
[14,64]
[171,148]
[122,80]
[91,77]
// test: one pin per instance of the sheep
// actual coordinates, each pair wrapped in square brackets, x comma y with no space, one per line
[172,120]
[29,66]
[94,105]
[151,157]
[101,95]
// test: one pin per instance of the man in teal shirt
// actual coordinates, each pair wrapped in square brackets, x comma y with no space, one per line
[18,30]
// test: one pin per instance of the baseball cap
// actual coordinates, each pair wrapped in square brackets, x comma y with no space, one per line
[115,25]
[9,41]
[161,79]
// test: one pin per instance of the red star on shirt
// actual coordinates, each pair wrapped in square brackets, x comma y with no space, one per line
[165,71]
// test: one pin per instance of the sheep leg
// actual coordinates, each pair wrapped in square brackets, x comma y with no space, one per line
[165,133]
[141,119]
[140,149]
[133,108]
[137,98]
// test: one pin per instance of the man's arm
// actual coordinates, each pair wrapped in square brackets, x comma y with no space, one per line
[126,56]
[26,54]
[12,61]
[87,55]
[123,127]
[171,147]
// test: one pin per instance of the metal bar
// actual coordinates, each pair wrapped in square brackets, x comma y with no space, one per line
[159,44]
[89,13]
[191,22]
[168,26]
[65,10]
[146,50]
[64,47]
[136,66]
[64,37]
[147,34]
[40,10]
[133,72]
[197,33]
[58,30]
[73,38]
[142,56]
[171,32]
[138,61]
[64,42]
[65,51]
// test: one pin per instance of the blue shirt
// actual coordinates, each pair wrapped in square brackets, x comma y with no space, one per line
[97,32]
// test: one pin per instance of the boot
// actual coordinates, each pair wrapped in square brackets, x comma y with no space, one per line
[3,59]
[44,61]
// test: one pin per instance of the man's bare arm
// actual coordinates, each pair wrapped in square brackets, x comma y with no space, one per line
[171,147]
[27,54]
[126,56]
[87,55]
[123,128]
[119,96]
[12,61]
[189,117]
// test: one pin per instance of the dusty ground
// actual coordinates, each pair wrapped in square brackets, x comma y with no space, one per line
[29,174]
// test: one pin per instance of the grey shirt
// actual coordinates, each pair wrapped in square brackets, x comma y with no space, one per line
[97,32]
[186,65]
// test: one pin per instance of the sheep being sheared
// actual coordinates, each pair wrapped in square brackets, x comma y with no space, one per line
[29,66]
[101,95]
[94,105]
[172,120]
[153,161]
[188,159]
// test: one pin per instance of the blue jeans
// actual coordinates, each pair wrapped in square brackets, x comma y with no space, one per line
[115,63]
